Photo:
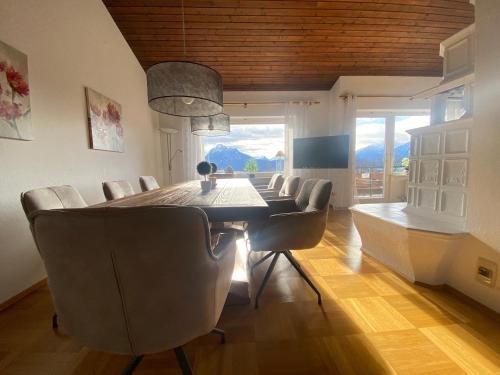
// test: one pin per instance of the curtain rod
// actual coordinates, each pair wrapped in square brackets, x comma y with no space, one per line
[308,102]
[377,96]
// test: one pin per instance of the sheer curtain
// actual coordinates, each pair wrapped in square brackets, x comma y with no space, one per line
[295,127]
[350,107]
[192,152]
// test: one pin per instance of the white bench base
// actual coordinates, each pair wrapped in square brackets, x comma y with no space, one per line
[414,247]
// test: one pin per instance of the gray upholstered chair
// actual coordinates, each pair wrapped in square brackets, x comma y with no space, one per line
[148,183]
[51,198]
[288,190]
[135,280]
[117,189]
[293,225]
[275,183]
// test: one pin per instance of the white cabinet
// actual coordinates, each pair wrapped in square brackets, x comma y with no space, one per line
[437,186]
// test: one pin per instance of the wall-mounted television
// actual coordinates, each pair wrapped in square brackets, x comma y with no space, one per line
[321,152]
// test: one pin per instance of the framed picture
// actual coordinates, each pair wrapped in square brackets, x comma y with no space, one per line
[15,109]
[105,122]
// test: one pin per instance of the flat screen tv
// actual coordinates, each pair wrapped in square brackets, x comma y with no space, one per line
[321,152]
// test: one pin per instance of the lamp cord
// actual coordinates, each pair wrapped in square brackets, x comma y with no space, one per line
[183,29]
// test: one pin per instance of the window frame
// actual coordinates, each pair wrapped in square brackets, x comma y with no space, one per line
[390,133]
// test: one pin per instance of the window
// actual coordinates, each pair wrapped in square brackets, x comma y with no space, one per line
[370,157]
[402,140]
[380,141]
[260,145]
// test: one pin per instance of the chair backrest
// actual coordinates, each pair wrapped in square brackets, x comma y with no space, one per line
[290,186]
[131,280]
[50,198]
[302,200]
[148,183]
[276,181]
[319,199]
[117,189]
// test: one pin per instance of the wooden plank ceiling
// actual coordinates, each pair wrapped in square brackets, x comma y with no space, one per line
[293,45]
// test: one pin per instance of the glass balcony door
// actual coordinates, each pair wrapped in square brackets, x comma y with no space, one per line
[370,158]
[381,158]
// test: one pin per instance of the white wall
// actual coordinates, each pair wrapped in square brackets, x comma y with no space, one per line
[70,44]
[483,219]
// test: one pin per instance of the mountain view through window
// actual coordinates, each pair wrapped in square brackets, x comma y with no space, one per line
[245,144]
[370,140]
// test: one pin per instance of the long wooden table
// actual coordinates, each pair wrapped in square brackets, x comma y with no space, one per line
[232,200]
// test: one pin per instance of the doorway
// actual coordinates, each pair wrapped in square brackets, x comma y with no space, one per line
[381,155]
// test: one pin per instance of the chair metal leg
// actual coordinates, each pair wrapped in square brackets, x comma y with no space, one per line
[55,323]
[132,365]
[183,361]
[299,269]
[260,261]
[221,333]
[266,277]
[292,257]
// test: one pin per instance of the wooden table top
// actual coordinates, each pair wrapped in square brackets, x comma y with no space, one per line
[232,199]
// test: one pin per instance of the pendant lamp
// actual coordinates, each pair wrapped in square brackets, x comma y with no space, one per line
[183,88]
[212,126]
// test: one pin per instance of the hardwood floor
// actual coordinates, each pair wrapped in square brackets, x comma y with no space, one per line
[371,322]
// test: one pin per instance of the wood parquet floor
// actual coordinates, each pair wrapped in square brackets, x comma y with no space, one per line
[371,322]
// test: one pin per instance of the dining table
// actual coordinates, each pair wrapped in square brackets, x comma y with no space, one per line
[231,200]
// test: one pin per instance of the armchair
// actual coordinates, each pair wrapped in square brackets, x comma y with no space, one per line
[50,198]
[117,189]
[288,190]
[275,183]
[135,280]
[293,225]
[148,183]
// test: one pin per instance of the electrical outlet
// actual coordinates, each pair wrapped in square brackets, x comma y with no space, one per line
[486,272]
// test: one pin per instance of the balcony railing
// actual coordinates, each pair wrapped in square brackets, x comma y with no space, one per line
[369,182]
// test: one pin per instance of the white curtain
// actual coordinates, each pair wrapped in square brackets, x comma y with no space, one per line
[192,152]
[296,119]
[350,108]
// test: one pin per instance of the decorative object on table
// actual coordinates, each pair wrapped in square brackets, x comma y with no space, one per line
[204,168]
[183,88]
[211,126]
[213,178]
[251,167]
[280,156]
[170,158]
[229,170]
[15,109]
[105,122]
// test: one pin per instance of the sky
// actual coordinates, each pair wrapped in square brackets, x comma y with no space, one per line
[254,140]
[372,130]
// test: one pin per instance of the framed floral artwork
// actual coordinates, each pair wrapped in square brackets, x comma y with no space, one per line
[15,109]
[105,122]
